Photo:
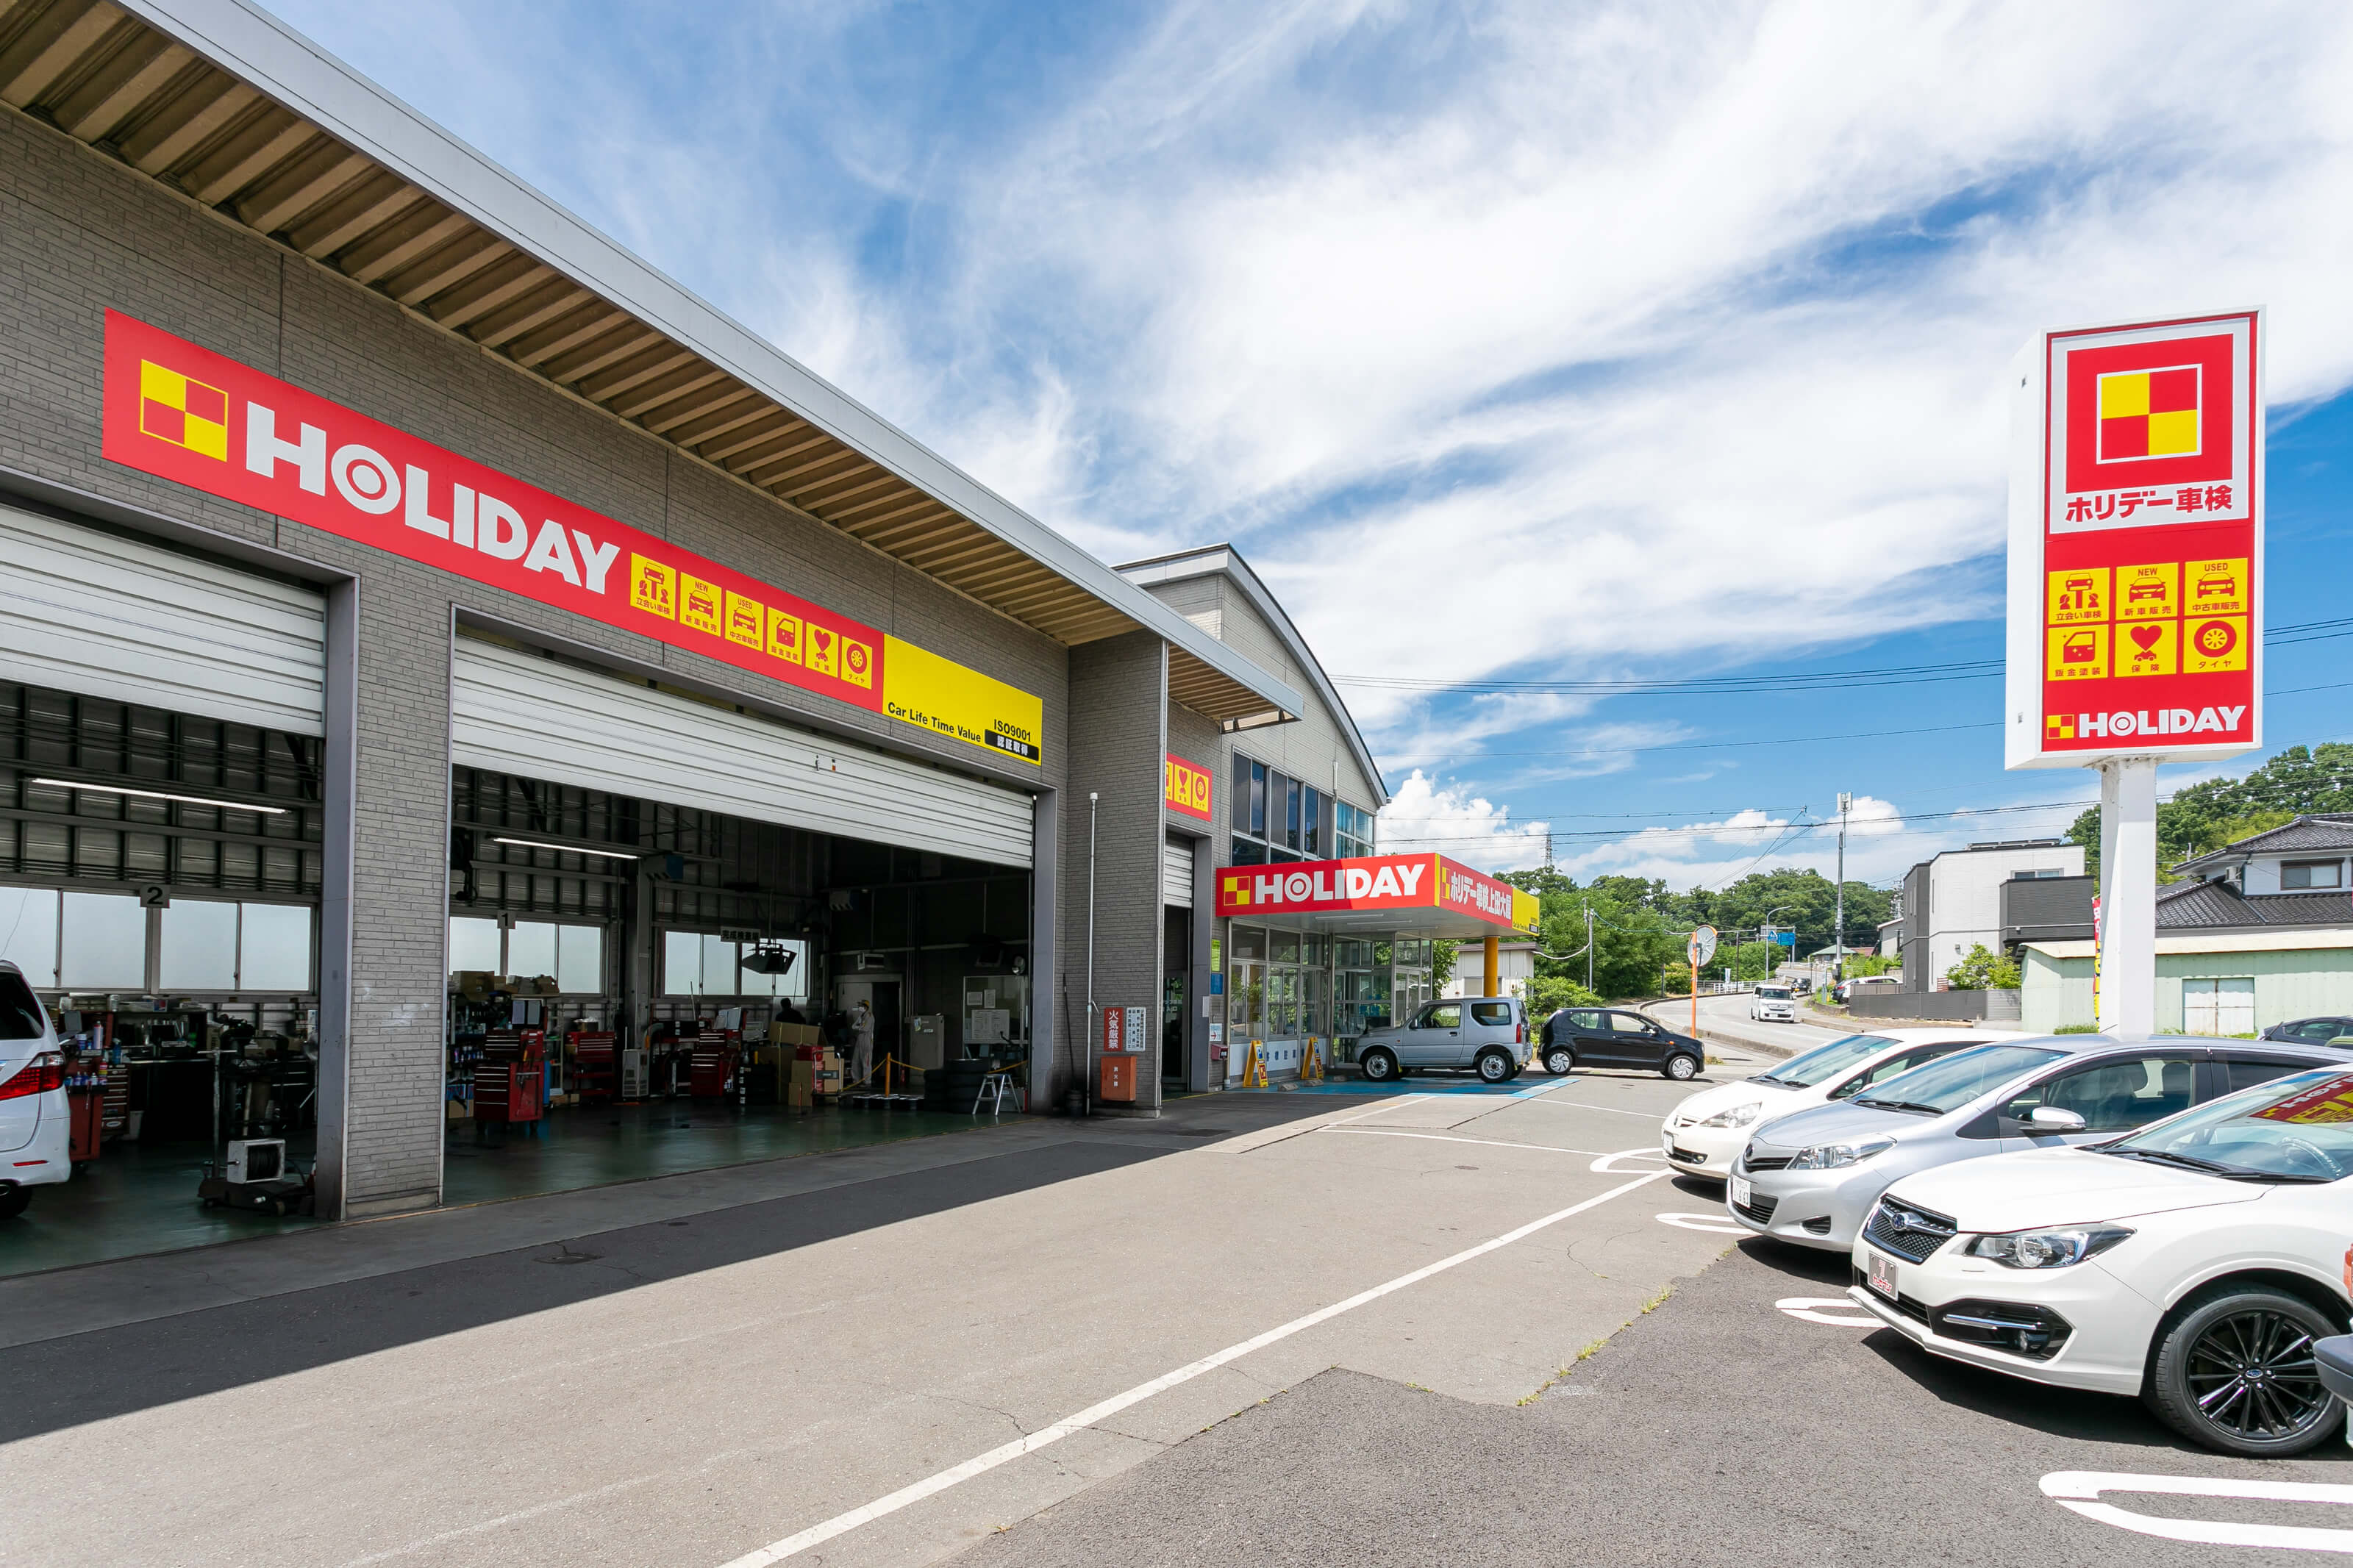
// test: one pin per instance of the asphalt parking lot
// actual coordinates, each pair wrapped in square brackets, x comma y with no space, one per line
[877,1356]
[1752,1417]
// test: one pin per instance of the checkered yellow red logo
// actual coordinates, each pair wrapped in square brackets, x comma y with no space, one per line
[186,412]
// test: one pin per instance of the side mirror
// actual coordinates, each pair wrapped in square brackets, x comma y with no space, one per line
[2051,1118]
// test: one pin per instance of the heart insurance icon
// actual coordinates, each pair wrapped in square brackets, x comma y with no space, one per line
[2147,638]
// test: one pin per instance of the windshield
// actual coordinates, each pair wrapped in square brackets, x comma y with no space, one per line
[2297,1129]
[1950,1082]
[1825,1061]
[1780,992]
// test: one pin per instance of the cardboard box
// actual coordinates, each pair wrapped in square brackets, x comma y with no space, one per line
[795,1035]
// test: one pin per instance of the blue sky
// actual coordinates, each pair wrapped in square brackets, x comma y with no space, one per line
[1522,344]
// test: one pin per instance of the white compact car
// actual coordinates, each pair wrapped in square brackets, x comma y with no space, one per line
[1701,1136]
[2194,1262]
[1774,1004]
[35,1128]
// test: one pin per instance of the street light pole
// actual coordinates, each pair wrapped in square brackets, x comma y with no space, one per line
[1838,937]
[1588,945]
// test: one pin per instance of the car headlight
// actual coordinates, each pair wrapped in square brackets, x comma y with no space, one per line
[2048,1249]
[1830,1156]
[1738,1116]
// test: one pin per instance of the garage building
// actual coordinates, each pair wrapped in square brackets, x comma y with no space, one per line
[471,709]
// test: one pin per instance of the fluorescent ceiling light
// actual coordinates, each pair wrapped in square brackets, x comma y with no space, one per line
[159,794]
[565,848]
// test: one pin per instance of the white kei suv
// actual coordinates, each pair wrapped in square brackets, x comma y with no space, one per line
[2192,1263]
[35,1128]
[1703,1135]
[1774,1003]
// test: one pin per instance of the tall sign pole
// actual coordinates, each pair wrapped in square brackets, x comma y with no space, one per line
[1838,902]
[2137,496]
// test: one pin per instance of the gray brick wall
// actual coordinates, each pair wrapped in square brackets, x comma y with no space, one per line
[1118,693]
[79,234]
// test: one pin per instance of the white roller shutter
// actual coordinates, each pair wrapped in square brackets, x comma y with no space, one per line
[517,712]
[1177,873]
[109,616]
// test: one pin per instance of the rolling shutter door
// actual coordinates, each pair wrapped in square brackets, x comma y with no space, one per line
[517,712]
[95,613]
[1177,873]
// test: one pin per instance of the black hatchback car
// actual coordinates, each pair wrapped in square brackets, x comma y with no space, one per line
[2310,1031]
[1617,1038]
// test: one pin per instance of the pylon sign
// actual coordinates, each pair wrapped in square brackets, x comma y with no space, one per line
[2136,543]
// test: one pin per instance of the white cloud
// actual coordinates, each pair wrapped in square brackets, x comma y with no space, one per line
[1424,816]
[1566,342]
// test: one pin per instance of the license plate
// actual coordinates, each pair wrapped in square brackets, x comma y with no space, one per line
[1883,1275]
[1742,1192]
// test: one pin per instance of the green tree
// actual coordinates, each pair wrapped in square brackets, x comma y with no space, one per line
[1548,994]
[2202,817]
[1633,941]
[1983,970]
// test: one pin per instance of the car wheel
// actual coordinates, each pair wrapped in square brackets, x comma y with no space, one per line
[2235,1373]
[1494,1066]
[1560,1062]
[1682,1068]
[13,1200]
[1379,1066]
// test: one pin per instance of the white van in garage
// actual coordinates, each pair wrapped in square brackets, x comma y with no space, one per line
[36,1126]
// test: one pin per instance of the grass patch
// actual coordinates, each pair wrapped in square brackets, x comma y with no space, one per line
[1653,1305]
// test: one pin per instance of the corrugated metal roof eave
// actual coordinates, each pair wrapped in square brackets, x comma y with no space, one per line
[257,48]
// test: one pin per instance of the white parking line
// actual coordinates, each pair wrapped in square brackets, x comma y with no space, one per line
[1718,1222]
[1451,1138]
[1838,1311]
[1607,1166]
[1614,1111]
[2080,1491]
[980,1464]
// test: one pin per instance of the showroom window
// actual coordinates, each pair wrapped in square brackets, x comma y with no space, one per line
[1352,830]
[1276,818]
[573,954]
[77,941]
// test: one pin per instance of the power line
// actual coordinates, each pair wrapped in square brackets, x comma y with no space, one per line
[1797,680]
[1800,740]
[1721,829]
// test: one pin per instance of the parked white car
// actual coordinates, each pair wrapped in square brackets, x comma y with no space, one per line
[1774,1003]
[1700,1135]
[35,1125]
[2194,1262]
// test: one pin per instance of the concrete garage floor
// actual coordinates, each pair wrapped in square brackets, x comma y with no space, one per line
[593,1145]
[134,1198]
[900,1349]
[137,1199]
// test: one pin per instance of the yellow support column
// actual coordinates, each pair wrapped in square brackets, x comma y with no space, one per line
[1495,968]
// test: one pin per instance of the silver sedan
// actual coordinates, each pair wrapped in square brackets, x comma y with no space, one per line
[1811,1178]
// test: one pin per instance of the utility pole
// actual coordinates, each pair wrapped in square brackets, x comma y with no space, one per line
[1589,944]
[1838,922]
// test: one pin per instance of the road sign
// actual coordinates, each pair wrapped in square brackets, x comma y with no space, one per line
[1786,938]
[1703,945]
[2136,499]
